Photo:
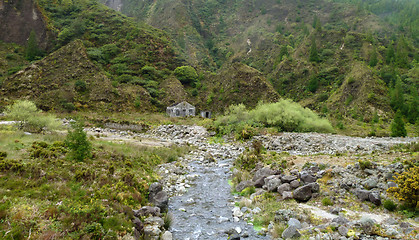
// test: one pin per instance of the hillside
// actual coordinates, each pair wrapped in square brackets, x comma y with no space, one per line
[306,49]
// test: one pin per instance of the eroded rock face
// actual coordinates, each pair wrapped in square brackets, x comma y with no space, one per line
[18,19]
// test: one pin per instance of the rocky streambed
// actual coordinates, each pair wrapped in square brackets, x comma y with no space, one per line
[202,206]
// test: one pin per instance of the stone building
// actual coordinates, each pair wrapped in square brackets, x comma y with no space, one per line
[182,109]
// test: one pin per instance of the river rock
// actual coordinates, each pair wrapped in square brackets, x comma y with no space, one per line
[154,188]
[160,200]
[147,210]
[167,236]
[283,187]
[294,222]
[273,184]
[303,193]
[243,184]
[362,194]
[259,182]
[295,184]
[263,173]
[343,231]
[138,224]
[375,198]
[288,178]
[290,232]
[307,178]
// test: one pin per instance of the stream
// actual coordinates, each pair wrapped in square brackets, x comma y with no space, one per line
[205,210]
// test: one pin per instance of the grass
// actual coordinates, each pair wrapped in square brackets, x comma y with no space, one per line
[48,196]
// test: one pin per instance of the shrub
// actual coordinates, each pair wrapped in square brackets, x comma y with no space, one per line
[408,187]
[77,142]
[364,164]
[30,118]
[80,86]
[389,205]
[397,126]
[327,202]
[186,74]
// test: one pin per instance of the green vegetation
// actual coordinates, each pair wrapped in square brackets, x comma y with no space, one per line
[186,74]
[77,142]
[327,202]
[408,187]
[29,118]
[32,52]
[389,205]
[397,126]
[45,195]
[284,115]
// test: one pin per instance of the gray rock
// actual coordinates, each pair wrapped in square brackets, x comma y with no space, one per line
[269,178]
[303,193]
[307,178]
[138,224]
[314,187]
[340,220]
[405,225]
[154,188]
[273,184]
[283,215]
[288,178]
[295,184]
[391,184]
[235,236]
[336,210]
[283,187]
[154,221]
[371,183]
[375,198]
[366,224]
[290,232]
[147,210]
[294,222]
[343,231]
[362,194]
[243,184]
[152,232]
[167,236]
[259,182]
[263,173]
[287,195]
[160,200]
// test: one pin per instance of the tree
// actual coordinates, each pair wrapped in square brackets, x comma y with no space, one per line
[390,54]
[373,59]
[186,74]
[32,50]
[314,56]
[397,96]
[413,112]
[76,140]
[397,126]
[29,118]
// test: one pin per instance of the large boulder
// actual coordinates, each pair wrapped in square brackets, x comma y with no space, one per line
[288,178]
[273,184]
[362,194]
[161,200]
[303,194]
[290,232]
[146,211]
[307,178]
[154,188]
[283,187]
[263,173]
[259,182]
[375,198]
[243,184]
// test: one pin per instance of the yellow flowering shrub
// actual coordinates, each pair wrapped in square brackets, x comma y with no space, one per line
[408,187]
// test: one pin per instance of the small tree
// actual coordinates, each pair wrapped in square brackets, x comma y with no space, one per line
[32,50]
[186,74]
[397,126]
[76,140]
[314,56]
[29,118]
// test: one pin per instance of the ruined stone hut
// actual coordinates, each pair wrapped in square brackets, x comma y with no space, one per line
[182,109]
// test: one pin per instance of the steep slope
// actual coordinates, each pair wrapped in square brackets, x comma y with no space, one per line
[67,79]
[18,19]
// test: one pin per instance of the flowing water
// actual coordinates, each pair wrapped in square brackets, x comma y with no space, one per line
[205,211]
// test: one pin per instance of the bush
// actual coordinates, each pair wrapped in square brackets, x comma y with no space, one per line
[408,187]
[77,142]
[364,164]
[397,126]
[186,74]
[80,86]
[389,205]
[327,202]
[30,118]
